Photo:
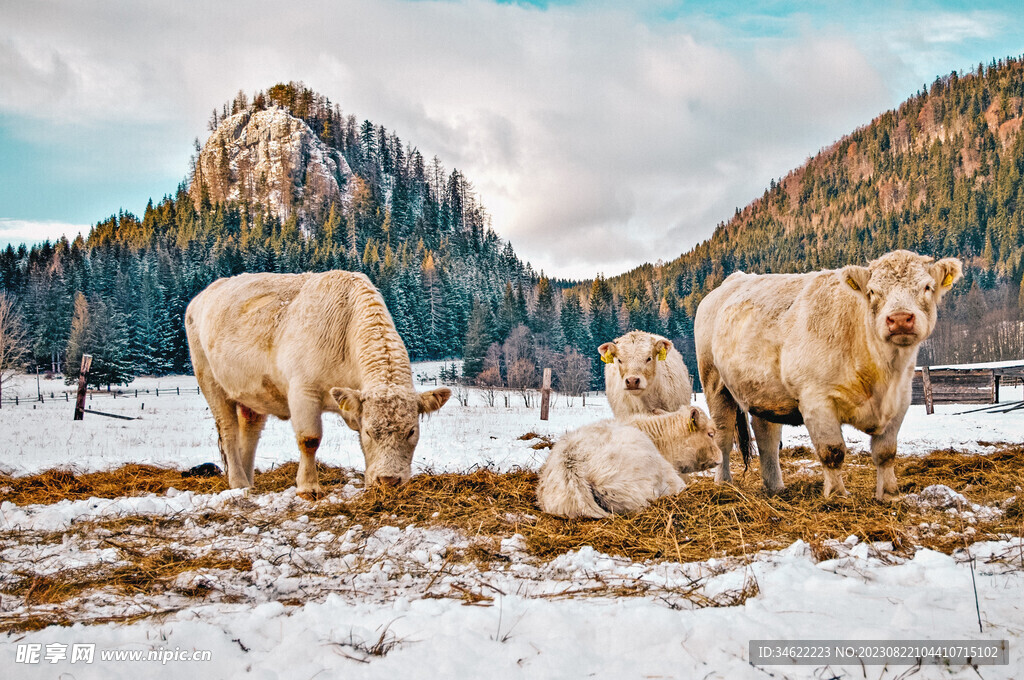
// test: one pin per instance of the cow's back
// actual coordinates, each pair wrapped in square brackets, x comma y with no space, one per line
[258,334]
[766,333]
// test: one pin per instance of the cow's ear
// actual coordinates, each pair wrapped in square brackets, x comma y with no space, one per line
[662,347]
[350,403]
[434,399]
[856,277]
[607,352]
[946,272]
[691,424]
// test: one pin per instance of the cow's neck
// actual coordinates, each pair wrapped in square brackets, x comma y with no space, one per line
[891,364]
[379,351]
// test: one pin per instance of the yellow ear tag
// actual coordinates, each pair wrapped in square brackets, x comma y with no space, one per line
[948,281]
[852,283]
[607,357]
[663,354]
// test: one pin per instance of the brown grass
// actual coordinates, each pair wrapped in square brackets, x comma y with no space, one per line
[706,520]
[60,484]
[139,573]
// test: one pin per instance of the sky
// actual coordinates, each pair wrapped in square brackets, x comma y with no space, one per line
[598,135]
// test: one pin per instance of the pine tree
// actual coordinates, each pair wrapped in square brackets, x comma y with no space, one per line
[574,327]
[545,321]
[479,336]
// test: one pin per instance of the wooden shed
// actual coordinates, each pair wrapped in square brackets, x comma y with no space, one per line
[965,385]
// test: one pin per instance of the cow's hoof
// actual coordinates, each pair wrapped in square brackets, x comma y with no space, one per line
[311,495]
[774,490]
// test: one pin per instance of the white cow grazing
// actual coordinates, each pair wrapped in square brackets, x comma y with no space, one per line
[822,349]
[295,346]
[613,466]
[644,373]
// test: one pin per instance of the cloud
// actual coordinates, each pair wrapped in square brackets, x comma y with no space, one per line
[599,135]
[28,231]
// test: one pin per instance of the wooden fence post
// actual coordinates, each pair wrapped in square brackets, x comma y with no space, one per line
[82,375]
[926,382]
[545,394]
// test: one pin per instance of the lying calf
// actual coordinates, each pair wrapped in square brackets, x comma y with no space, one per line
[620,466]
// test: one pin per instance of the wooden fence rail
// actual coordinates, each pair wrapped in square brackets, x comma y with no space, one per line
[961,385]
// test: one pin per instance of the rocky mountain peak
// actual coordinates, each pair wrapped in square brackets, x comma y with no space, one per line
[272,158]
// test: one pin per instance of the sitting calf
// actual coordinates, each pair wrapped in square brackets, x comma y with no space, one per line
[612,467]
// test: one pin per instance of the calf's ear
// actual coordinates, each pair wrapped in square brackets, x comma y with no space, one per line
[691,424]
[946,272]
[607,352]
[434,399]
[350,402]
[662,347]
[856,277]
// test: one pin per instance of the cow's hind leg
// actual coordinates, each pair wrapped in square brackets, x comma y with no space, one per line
[306,407]
[768,436]
[250,425]
[223,410]
[723,410]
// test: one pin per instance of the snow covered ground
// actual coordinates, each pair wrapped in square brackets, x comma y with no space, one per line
[323,596]
[179,431]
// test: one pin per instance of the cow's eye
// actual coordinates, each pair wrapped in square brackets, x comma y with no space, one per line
[412,433]
[928,288]
[649,359]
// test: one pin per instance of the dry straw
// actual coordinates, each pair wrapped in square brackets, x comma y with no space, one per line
[706,520]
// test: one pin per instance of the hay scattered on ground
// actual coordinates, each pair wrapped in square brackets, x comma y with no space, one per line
[707,520]
[52,486]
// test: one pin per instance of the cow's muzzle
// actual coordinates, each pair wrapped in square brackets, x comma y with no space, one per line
[901,327]
[633,384]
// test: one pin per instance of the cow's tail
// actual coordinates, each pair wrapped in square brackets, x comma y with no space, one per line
[565,492]
[743,436]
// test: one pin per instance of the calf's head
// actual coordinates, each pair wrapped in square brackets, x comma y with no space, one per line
[903,291]
[387,420]
[636,355]
[685,438]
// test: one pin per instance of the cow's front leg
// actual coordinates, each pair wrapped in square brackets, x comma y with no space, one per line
[883,454]
[305,407]
[827,436]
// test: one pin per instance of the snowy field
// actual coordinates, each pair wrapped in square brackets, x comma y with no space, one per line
[330,599]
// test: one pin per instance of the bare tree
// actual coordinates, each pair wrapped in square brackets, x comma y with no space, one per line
[518,346]
[522,375]
[489,380]
[460,393]
[572,370]
[12,341]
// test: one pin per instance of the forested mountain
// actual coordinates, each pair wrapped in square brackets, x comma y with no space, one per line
[940,175]
[289,183]
[286,183]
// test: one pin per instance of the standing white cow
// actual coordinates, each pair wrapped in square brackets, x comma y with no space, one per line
[615,466]
[822,349]
[295,346]
[644,373]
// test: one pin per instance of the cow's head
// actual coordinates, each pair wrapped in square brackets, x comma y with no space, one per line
[903,290]
[636,355]
[387,420]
